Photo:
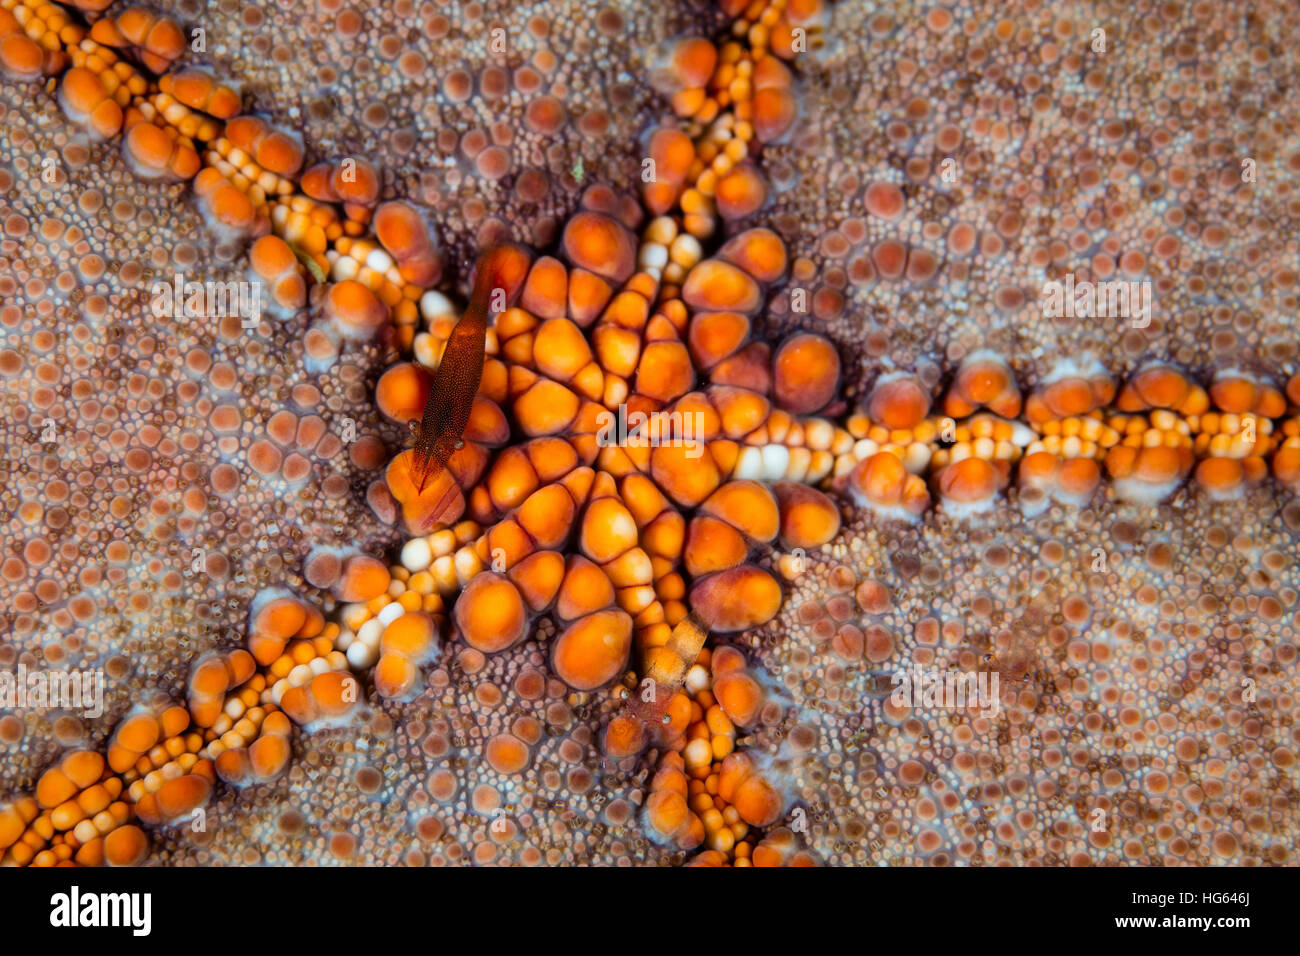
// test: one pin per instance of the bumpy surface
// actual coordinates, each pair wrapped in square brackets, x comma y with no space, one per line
[814,237]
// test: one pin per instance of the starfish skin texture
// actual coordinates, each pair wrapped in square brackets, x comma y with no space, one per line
[679,644]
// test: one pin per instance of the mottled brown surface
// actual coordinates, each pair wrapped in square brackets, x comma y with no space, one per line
[1122,687]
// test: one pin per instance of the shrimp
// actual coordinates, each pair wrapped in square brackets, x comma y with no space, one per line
[447,410]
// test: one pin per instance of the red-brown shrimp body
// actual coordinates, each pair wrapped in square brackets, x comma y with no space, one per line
[500,275]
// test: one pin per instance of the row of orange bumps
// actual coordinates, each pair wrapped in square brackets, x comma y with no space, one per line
[161,762]
[85,810]
[731,96]
[38,38]
[1150,434]
[705,793]
[184,125]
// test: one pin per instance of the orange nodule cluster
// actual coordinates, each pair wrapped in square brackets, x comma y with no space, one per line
[624,588]
[176,799]
[983,381]
[247,740]
[729,593]
[1161,428]
[211,678]
[162,761]
[274,150]
[781,848]
[165,754]
[1162,386]
[555,377]
[898,402]
[87,102]
[156,41]
[491,615]
[404,233]
[157,152]
[407,642]
[883,483]
[277,620]
[402,390]
[200,90]
[664,667]
[705,792]
[226,208]
[352,181]
[731,97]
[34,35]
[441,501]
[1068,480]
[273,262]
[355,311]
[75,807]
[260,759]
[787,27]
[738,692]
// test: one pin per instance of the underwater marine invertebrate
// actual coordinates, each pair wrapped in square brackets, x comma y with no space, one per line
[765,285]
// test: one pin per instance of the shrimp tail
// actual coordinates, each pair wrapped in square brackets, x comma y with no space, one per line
[428,459]
[444,503]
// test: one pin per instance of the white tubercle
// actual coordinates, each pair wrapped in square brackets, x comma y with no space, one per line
[390,613]
[776,459]
[361,657]
[379,260]
[652,256]
[416,554]
[345,267]
[434,305]
[370,632]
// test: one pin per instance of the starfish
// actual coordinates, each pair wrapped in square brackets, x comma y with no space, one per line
[634,562]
